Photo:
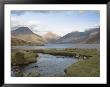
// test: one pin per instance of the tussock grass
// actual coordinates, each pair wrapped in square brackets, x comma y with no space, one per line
[22,57]
[86,68]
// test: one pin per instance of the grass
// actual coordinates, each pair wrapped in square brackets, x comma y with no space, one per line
[32,74]
[19,58]
[22,57]
[85,68]
[74,52]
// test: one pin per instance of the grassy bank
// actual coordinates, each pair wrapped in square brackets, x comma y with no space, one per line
[23,57]
[74,52]
[86,68]
[20,58]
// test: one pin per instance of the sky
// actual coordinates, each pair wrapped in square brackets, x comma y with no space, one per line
[59,22]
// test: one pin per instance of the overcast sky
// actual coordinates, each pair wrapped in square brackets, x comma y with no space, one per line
[59,22]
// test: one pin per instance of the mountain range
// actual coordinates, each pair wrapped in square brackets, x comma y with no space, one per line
[90,36]
[24,36]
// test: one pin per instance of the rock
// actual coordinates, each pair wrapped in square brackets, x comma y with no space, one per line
[65,70]
[36,66]
[31,74]
[84,57]
[19,74]
[34,74]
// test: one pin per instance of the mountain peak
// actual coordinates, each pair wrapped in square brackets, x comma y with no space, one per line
[50,36]
[22,30]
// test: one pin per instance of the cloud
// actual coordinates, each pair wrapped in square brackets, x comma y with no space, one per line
[81,12]
[21,12]
[18,22]
[33,25]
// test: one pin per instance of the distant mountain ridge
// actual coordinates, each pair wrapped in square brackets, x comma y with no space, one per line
[89,36]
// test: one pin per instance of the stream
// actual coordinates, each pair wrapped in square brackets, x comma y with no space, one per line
[49,65]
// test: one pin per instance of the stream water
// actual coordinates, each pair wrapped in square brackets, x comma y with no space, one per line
[49,65]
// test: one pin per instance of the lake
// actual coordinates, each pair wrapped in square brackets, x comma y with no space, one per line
[97,46]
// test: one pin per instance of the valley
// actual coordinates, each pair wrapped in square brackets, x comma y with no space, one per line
[50,55]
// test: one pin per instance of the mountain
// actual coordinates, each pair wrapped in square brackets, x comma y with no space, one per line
[24,34]
[89,36]
[21,30]
[94,39]
[50,37]
[15,41]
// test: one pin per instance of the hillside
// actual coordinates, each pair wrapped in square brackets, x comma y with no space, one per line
[88,37]
[50,37]
[15,41]
[25,34]
[94,39]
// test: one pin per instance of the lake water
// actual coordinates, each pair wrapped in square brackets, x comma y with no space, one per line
[97,46]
